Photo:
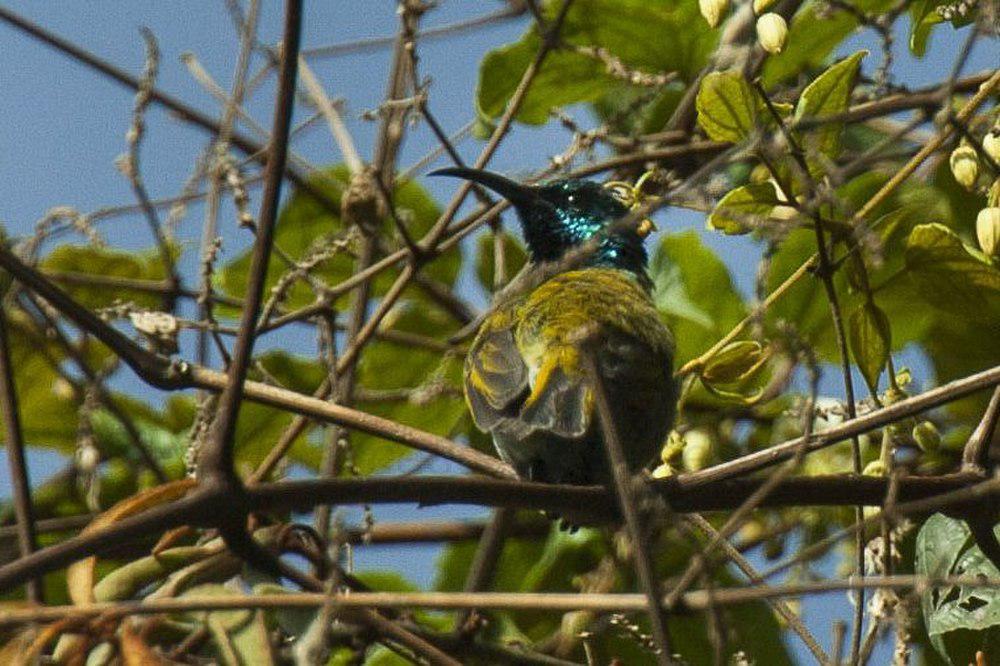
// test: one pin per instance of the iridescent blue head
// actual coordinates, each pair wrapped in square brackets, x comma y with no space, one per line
[564,214]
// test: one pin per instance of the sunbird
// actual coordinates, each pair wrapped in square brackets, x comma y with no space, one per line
[526,380]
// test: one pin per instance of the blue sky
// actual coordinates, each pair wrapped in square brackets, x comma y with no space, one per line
[63,126]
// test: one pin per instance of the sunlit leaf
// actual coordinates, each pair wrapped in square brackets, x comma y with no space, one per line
[630,30]
[734,363]
[84,260]
[129,579]
[728,107]
[806,45]
[924,17]
[870,340]
[240,636]
[828,95]
[744,208]
[694,292]
[951,277]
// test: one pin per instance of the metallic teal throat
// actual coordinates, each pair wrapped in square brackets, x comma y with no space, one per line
[579,210]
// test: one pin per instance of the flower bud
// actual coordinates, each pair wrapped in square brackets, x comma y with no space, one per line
[926,435]
[674,445]
[991,144]
[874,468]
[965,166]
[663,471]
[760,6]
[988,231]
[713,10]
[772,31]
[697,450]
[87,457]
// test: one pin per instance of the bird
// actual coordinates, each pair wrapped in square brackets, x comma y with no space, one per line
[526,378]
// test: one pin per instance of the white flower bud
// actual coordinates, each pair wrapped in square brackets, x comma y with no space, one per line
[87,457]
[988,231]
[713,10]
[926,435]
[991,144]
[663,471]
[784,213]
[698,449]
[964,166]
[761,6]
[772,31]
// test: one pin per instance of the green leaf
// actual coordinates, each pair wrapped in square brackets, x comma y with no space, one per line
[870,339]
[432,379]
[514,258]
[951,277]
[828,95]
[306,224]
[565,78]
[743,208]
[959,620]
[630,30]
[298,373]
[86,260]
[694,293]
[924,16]
[728,107]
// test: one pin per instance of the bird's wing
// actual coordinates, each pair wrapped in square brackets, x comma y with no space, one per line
[496,377]
[500,389]
[560,401]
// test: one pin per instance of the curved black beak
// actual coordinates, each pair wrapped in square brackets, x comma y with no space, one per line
[511,190]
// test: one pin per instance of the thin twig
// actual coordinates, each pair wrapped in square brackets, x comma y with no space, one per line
[780,607]
[14,443]
[216,472]
[628,502]
[537,601]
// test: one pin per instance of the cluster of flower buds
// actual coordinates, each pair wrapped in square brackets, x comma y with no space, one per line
[772,30]
[965,168]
